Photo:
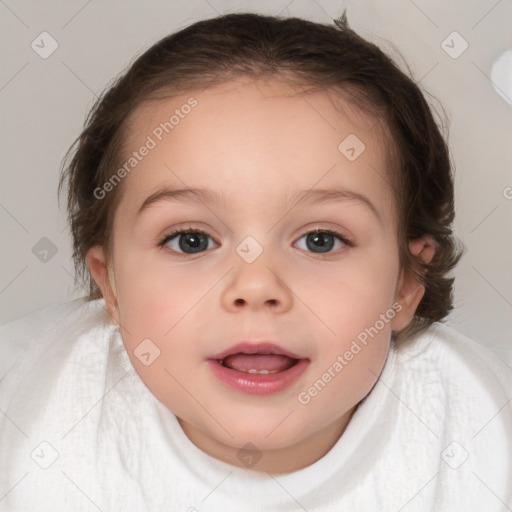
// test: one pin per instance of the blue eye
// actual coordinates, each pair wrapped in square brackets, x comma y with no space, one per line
[193,241]
[190,241]
[322,241]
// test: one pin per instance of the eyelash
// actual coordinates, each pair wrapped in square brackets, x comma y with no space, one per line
[161,244]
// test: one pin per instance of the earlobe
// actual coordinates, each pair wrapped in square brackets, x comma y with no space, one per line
[409,290]
[97,262]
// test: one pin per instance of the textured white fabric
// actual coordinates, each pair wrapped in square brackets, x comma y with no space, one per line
[434,434]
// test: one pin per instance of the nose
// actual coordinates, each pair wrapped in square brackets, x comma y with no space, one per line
[256,286]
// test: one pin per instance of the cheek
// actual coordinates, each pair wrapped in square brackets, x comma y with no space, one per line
[358,313]
[340,384]
[154,295]
[159,305]
[350,294]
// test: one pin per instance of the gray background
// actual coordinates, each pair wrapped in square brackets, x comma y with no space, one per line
[44,101]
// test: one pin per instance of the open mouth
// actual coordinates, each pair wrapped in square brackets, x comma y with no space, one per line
[262,364]
[258,368]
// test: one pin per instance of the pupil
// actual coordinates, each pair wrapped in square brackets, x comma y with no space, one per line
[195,241]
[322,241]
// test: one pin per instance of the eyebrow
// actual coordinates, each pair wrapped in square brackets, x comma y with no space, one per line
[326,195]
[197,195]
[207,195]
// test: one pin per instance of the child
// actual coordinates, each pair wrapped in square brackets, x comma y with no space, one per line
[264,206]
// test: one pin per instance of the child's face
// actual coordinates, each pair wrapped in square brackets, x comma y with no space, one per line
[256,147]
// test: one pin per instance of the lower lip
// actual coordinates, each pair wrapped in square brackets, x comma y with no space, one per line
[258,383]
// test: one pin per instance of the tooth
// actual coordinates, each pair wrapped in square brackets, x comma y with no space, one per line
[264,372]
[252,370]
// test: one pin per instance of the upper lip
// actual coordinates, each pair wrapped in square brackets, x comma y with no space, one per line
[248,347]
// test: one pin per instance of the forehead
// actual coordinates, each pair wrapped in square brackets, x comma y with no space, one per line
[254,141]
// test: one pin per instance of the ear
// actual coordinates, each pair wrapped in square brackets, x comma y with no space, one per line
[409,291]
[97,262]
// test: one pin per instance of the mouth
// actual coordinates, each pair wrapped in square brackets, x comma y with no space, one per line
[258,368]
[262,364]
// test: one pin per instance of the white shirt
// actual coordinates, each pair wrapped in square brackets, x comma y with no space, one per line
[80,431]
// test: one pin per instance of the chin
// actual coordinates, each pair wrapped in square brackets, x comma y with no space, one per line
[265,439]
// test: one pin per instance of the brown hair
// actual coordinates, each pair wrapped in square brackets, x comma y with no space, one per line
[330,58]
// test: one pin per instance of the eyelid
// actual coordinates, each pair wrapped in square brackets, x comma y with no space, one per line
[178,231]
[345,238]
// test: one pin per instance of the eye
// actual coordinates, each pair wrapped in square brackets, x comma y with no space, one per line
[193,241]
[323,241]
[189,241]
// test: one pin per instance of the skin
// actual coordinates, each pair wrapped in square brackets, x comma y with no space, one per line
[257,142]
